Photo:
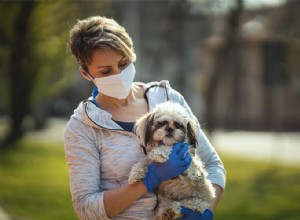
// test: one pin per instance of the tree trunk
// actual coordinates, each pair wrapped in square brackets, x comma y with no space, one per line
[19,75]
[225,58]
[234,42]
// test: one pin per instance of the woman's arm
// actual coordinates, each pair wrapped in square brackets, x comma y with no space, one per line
[215,201]
[119,199]
[83,159]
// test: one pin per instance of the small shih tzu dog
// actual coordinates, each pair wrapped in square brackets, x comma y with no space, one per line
[158,130]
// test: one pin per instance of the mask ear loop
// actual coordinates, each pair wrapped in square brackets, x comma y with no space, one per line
[95,91]
[94,94]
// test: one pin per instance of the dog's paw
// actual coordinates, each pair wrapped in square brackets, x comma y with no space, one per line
[169,212]
[137,173]
[172,213]
[160,154]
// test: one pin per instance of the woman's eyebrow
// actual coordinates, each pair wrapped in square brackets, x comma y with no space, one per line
[123,59]
[99,67]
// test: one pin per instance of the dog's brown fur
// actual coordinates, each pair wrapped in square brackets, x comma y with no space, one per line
[158,130]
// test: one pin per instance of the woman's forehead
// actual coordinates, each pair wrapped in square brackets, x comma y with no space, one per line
[106,57]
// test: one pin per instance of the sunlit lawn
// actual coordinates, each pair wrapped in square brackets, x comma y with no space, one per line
[260,191]
[34,182]
[34,186]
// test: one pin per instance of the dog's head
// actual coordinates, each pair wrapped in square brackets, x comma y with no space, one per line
[167,124]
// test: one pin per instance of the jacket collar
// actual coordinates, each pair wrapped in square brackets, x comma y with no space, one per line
[155,93]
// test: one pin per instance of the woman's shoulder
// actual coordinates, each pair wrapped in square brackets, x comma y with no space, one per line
[153,85]
[161,90]
[151,88]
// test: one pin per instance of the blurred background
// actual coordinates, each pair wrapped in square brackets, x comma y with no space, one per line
[236,62]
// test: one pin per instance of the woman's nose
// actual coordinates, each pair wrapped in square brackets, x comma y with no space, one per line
[116,70]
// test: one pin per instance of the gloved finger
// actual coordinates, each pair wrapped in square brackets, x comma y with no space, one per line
[186,162]
[208,213]
[182,153]
[185,156]
[185,211]
[177,147]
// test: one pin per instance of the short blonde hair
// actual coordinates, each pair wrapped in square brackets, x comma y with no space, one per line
[99,32]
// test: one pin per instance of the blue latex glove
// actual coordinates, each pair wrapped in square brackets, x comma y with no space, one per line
[189,214]
[179,160]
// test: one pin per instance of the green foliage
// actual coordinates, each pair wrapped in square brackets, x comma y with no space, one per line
[34,185]
[7,13]
[35,66]
[49,66]
[49,36]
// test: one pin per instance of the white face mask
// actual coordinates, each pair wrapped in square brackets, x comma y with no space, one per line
[118,85]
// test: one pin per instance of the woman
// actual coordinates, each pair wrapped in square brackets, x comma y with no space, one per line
[99,143]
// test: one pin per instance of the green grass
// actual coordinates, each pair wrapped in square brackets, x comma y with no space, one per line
[260,191]
[34,185]
[34,182]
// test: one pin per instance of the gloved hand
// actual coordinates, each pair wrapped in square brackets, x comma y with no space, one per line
[189,214]
[179,160]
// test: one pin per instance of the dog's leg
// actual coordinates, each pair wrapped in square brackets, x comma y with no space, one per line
[203,187]
[138,172]
[160,154]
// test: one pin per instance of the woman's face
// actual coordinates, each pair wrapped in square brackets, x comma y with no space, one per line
[106,62]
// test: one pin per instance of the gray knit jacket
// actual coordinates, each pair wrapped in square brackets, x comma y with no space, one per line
[100,155]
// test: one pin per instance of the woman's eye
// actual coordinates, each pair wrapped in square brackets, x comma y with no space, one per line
[105,72]
[123,65]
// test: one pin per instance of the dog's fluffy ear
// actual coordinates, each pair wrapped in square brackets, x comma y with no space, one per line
[143,128]
[191,132]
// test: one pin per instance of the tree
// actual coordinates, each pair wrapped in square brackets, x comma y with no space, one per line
[32,43]
[227,54]
[18,69]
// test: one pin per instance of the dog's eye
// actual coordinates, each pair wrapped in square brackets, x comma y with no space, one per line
[161,123]
[178,126]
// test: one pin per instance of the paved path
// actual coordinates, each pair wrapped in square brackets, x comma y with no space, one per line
[54,131]
[4,215]
[282,148]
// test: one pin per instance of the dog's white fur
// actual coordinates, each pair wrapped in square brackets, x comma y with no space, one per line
[158,130]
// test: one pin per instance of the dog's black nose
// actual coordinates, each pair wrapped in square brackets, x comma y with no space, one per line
[169,130]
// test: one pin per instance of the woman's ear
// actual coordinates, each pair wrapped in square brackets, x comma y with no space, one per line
[85,74]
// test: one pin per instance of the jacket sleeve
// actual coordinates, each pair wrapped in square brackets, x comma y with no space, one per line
[212,161]
[83,160]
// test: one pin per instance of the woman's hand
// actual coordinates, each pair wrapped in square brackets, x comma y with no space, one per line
[179,160]
[189,214]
